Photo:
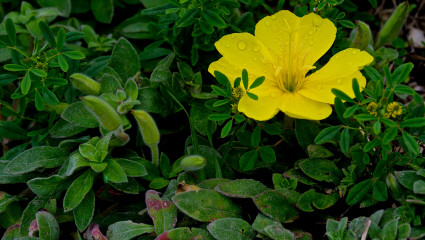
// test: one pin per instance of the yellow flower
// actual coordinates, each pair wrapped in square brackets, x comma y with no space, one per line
[284,49]
[394,109]
[372,107]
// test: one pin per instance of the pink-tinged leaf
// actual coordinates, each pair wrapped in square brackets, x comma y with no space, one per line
[162,212]
[93,232]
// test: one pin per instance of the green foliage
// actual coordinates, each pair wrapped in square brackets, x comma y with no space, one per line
[112,127]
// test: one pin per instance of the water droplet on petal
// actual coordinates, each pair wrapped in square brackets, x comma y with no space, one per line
[268,23]
[354,52]
[241,45]
[227,45]
[274,95]
[339,80]
[256,48]
[310,32]
[310,42]
[319,86]
[273,17]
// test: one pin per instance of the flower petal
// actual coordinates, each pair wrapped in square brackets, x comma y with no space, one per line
[297,106]
[337,73]
[291,38]
[246,52]
[222,65]
[262,109]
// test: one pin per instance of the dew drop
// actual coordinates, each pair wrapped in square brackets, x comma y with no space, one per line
[310,42]
[354,52]
[273,17]
[268,23]
[256,48]
[339,80]
[310,32]
[227,45]
[241,45]
[319,86]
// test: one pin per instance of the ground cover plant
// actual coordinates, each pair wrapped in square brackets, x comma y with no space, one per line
[199,119]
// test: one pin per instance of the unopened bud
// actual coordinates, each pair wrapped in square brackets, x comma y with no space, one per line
[85,84]
[193,163]
[104,113]
[361,36]
[147,126]
[393,186]
[131,89]
[393,26]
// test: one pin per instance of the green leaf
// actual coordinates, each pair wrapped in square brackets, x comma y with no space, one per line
[84,212]
[365,117]
[419,187]
[402,72]
[267,154]
[39,101]
[350,111]
[407,178]
[114,173]
[262,222]
[63,64]
[77,114]
[124,59]
[48,187]
[357,90]
[344,141]
[5,200]
[76,55]
[213,18]
[359,191]
[321,170]
[411,143]
[276,206]
[231,228]
[219,117]
[36,157]
[186,233]
[47,33]
[26,84]
[403,89]
[50,97]
[327,134]
[245,79]
[131,168]
[320,201]
[340,94]
[389,231]
[379,191]
[162,212]
[48,227]
[347,24]
[248,160]
[413,122]
[256,137]
[188,18]
[75,162]
[78,190]
[241,188]
[39,72]
[221,78]
[60,39]
[206,205]
[389,135]
[103,10]
[252,96]
[29,213]
[64,6]
[15,67]
[257,82]
[11,31]
[373,74]
[12,131]
[126,230]
[226,129]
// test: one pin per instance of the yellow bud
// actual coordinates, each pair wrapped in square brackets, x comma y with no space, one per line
[147,126]
[193,163]
[104,113]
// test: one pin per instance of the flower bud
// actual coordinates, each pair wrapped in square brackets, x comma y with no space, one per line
[147,126]
[361,36]
[394,187]
[85,84]
[193,163]
[393,26]
[131,89]
[104,113]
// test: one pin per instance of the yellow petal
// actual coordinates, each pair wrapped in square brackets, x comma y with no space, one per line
[291,38]
[222,65]
[297,106]
[264,108]
[244,51]
[337,73]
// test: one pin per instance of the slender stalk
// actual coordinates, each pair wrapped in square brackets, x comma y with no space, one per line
[155,155]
